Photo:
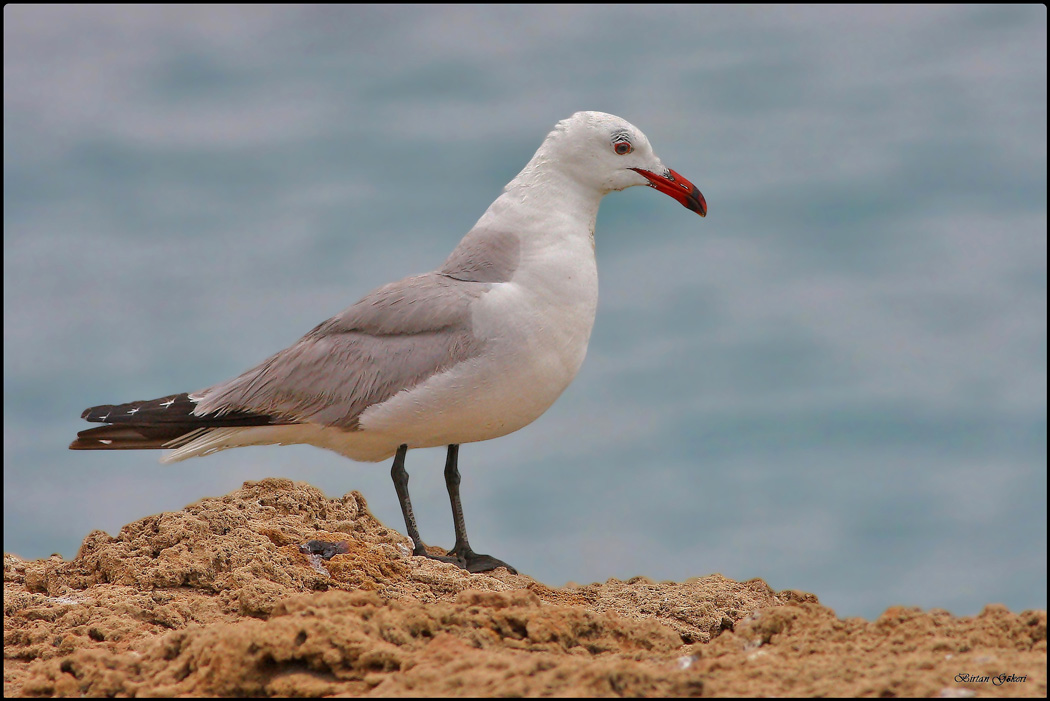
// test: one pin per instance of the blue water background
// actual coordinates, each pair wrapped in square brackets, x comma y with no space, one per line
[836,381]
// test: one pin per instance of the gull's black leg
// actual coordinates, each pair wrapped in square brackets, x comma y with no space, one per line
[468,559]
[400,477]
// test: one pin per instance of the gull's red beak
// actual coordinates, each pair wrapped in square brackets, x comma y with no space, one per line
[677,187]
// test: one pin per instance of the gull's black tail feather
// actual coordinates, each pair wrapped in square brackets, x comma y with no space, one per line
[156,423]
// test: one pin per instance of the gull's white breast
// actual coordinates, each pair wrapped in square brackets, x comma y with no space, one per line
[535,328]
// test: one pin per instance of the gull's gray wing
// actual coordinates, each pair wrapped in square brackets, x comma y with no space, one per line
[484,255]
[393,339]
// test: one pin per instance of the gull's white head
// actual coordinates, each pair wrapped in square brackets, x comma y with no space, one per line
[608,153]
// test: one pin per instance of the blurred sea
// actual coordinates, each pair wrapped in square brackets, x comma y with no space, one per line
[836,381]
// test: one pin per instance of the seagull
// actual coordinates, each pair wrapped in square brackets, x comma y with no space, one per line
[474,350]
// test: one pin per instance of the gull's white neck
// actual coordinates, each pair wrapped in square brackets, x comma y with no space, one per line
[544,201]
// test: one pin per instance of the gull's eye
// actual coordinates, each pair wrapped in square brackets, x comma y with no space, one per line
[622,148]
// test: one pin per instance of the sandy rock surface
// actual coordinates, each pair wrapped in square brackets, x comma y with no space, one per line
[218,599]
